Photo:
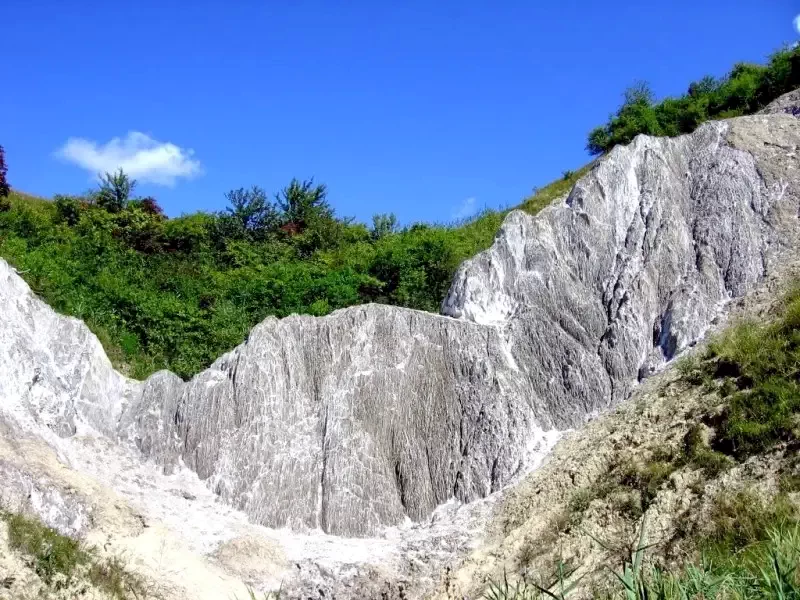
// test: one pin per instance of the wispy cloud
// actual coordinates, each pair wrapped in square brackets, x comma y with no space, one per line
[139,155]
[466,209]
[797,23]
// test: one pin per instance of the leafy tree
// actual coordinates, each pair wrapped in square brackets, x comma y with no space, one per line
[383,225]
[115,191]
[707,85]
[4,187]
[639,93]
[302,203]
[250,212]
[150,205]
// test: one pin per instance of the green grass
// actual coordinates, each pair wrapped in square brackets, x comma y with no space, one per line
[751,549]
[545,196]
[755,367]
[57,559]
[52,554]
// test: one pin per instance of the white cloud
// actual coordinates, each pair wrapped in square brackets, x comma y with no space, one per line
[466,209]
[139,155]
[797,23]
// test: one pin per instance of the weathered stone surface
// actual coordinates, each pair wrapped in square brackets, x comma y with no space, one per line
[786,104]
[54,375]
[597,291]
[357,419]
[374,413]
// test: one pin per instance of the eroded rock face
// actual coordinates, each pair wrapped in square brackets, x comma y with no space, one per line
[375,414]
[347,422]
[54,375]
[636,262]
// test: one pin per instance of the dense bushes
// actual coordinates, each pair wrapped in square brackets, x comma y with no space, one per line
[746,89]
[176,293]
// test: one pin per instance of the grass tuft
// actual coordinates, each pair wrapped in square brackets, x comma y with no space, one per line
[52,554]
[757,366]
[57,558]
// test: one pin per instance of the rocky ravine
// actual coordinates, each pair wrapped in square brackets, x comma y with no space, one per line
[375,415]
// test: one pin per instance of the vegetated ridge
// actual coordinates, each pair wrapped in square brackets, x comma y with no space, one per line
[175,293]
[741,197]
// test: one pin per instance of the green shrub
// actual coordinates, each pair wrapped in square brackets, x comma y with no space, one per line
[758,366]
[699,454]
[746,89]
[67,209]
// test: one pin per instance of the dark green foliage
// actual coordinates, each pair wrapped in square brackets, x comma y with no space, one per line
[68,209]
[176,293]
[249,214]
[746,89]
[303,204]
[4,187]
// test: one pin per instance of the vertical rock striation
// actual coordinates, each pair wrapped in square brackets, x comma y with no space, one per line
[375,414]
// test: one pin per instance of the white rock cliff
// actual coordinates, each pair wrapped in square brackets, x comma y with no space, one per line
[375,415]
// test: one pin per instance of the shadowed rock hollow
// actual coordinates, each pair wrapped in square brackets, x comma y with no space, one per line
[375,414]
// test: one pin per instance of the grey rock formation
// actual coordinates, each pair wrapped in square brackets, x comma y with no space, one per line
[54,375]
[376,414]
[347,422]
[788,104]
[597,291]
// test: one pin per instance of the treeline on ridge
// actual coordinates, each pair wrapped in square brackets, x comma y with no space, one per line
[746,89]
[175,293]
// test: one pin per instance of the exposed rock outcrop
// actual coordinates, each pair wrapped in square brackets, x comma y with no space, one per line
[347,422]
[374,414]
[599,290]
[788,104]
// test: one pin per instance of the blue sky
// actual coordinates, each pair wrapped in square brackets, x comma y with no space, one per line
[425,109]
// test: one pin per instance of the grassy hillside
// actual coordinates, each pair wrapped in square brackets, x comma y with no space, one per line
[176,293]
